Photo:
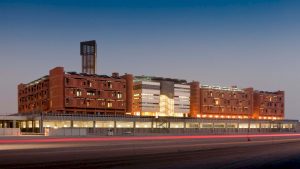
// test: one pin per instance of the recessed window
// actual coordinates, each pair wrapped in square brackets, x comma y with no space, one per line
[119,95]
[109,83]
[89,83]
[67,101]
[90,93]
[67,80]
[78,93]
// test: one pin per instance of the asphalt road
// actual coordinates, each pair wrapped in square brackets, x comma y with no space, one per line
[151,152]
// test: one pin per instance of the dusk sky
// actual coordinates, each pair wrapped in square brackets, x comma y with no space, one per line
[248,43]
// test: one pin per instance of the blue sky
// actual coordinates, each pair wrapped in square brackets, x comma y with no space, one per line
[218,42]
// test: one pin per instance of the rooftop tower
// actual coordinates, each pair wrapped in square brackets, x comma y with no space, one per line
[88,52]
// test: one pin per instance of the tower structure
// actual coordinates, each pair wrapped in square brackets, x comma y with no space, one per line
[88,52]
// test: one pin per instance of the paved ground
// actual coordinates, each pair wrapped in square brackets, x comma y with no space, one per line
[178,152]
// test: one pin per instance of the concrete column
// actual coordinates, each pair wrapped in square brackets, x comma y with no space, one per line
[72,125]
[115,127]
[33,125]
[280,126]
[41,126]
[27,125]
[94,124]
[184,126]
[134,122]
[248,127]
[152,123]
[14,124]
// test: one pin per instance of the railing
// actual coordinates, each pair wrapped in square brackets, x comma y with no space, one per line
[83,116]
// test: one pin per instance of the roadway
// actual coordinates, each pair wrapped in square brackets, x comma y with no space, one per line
[174,152]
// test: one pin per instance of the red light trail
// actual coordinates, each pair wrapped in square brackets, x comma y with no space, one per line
[136,138]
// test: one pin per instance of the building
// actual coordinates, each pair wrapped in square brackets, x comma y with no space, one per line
[71,92]
[226,102]
[88,52]
[90,93]
[269,105]
[156,96]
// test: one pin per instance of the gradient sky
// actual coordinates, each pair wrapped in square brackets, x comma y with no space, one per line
[217,42]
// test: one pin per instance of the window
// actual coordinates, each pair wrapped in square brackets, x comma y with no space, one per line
[89,83]
[109,83]
[67,101]
[217,101]
[109,104]
[78,92]
[90,93]
[119,95]
[67,80]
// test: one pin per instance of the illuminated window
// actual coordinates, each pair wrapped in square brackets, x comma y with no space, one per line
[217,102]
[78,93]
[89,83]
[119,95]
[109,104]
[166,105]
[109,83]
[90,93]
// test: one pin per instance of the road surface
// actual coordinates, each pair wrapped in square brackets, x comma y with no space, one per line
[173,152]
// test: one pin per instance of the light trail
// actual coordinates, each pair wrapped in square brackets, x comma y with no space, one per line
[136,138]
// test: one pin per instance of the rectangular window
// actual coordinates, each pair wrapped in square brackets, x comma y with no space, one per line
[119,95]
[78,93]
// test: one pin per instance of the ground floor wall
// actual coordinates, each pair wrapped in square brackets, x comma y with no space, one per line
[10,132]
[132,125]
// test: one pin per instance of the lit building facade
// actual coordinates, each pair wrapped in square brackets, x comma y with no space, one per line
[89,93]
[70,92]
[156,96]
[269,105]
[226,102]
